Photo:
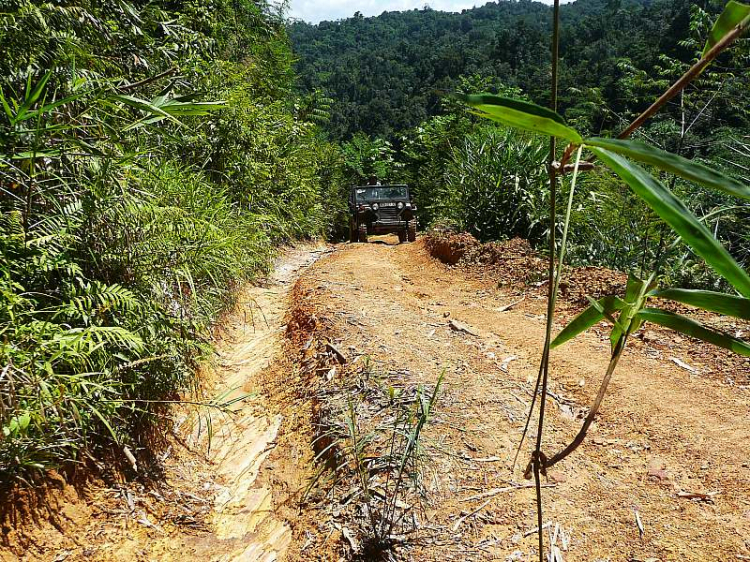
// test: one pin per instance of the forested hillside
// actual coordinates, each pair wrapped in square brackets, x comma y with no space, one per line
[384,83]
[151,158]
[385,73]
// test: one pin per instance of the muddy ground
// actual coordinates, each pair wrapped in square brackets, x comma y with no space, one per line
[664,475]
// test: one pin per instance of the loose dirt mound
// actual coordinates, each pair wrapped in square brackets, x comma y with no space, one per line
[518,266]
[450,247]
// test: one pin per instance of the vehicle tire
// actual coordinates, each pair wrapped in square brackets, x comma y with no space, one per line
[362,231]
[353,232]
[401,236]
[412,230]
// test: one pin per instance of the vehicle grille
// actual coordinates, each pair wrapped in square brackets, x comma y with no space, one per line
[388,215]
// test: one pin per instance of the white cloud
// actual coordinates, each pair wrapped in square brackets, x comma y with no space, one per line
[317,10]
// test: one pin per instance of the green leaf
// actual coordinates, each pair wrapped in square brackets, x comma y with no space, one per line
[143,105]
[693,329]
[728,305]
[101,417]
[32,96]
[687,169]
[734,13]
[521,115]
[50,106]
[23,421]
[6,108]
[193,108]
[588,318]
[676,214]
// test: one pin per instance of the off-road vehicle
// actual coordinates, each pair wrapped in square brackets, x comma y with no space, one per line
[382,209]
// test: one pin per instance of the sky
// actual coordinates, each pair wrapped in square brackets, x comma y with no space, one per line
[314,11]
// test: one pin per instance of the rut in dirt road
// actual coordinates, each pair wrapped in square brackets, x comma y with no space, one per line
[667,446]
[200,508]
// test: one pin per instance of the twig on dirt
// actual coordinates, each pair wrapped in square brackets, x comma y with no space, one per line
[556,554]
[707,497]
[482,459]
[146,523]
[506,362]
[553,538]
[351,537]
[465,517]
[680,363]
[340,356]
[508,307]
[457,326]
[537,529]
[639,523]
[495,491]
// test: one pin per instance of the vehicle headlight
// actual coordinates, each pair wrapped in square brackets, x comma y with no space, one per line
[400,205]
[375,206]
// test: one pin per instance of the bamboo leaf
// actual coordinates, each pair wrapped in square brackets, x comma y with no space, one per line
[7,109]
[676,214]
[104,421]
[32,96]
[50,106]
[687,169]
[734,13]
[192,108]
[588,318]
[143,105]
[693,329]
[728,305]
[521,115]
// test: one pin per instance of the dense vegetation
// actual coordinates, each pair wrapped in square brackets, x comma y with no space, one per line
[385,75]
[151,157]
[385,72]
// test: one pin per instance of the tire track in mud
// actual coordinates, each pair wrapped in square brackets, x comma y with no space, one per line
[244,517]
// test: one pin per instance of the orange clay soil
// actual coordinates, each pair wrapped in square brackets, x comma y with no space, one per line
[663,434]
[670,445]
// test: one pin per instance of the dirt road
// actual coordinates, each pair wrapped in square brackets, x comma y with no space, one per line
[663,434]
[669,453]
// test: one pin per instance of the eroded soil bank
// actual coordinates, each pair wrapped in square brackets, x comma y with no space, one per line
[205,502]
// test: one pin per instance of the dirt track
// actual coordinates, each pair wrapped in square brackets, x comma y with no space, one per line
[662,432]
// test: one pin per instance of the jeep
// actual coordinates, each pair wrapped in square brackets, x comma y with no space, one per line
[381,209]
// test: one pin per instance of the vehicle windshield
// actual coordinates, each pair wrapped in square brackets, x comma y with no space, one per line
[381,193]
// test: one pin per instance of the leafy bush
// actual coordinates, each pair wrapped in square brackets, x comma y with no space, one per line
[495,185]
[132,205]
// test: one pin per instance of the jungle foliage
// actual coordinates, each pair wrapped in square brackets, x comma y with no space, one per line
[152,155]
[386,73]
[489,180]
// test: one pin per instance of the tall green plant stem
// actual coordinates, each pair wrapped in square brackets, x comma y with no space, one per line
[692,73]
[560,265]
[544,370]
